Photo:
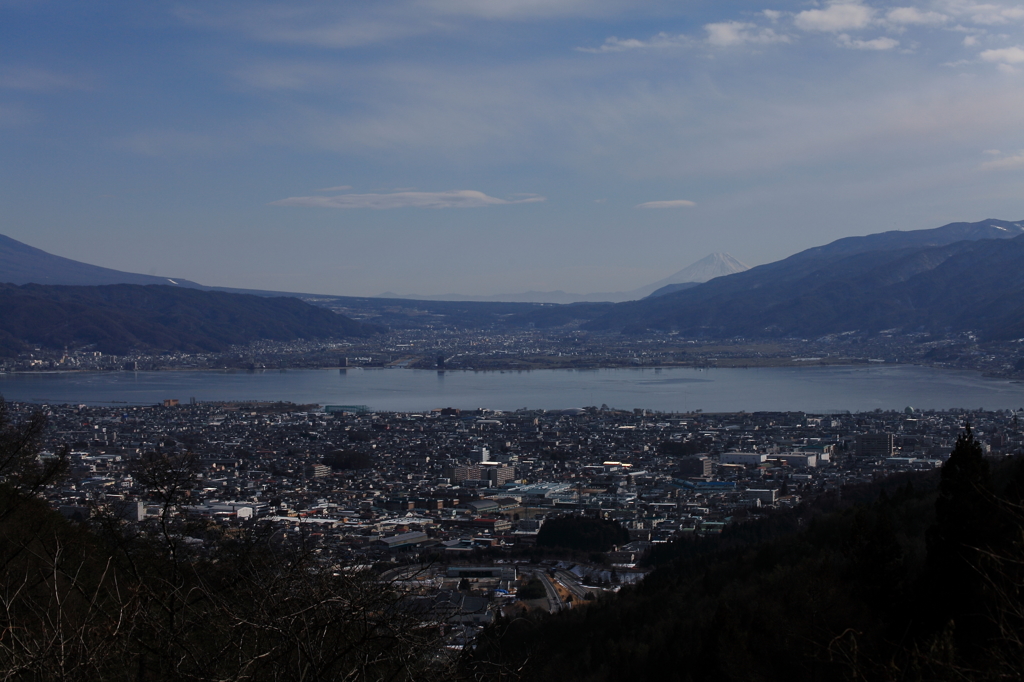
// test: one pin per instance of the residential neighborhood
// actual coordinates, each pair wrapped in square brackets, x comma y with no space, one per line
[451,504]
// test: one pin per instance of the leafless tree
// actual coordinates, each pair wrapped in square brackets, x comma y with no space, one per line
[118,601]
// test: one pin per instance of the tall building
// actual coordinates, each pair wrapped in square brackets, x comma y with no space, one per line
[875,445]
[493,472]
[317,471]
[699,467]
[499,475]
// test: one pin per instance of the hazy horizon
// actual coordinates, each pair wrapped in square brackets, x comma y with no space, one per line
[493,147]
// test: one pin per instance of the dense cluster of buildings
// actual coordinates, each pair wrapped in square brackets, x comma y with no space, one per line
[465,488]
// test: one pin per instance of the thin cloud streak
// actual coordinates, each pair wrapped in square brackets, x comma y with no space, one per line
[313,25]
[1015,162]
[730,33]
[527,9]
[464,198]
[838,17]
[882,43]
[672,203]
[38,80]
[659,41]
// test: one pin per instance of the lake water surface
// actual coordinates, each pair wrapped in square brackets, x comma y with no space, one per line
[810,389]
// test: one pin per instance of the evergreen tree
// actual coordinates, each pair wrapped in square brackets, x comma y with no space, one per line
[964,516]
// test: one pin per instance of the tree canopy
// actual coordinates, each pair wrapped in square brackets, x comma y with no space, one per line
[582,533]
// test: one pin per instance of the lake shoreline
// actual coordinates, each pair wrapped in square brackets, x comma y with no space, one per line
[815,389]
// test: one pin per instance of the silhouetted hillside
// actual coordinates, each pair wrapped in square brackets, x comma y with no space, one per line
[24,264]
[124,317]
[182,600]
[865,283]
[922,583]
[582,533]
[672,288]
[933,280]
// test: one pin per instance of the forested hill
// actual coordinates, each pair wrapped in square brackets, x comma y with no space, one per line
[121,318]
[922,583]
[960,286]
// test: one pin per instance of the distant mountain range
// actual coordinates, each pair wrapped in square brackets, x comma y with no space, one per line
[24,264]
[962,276]
[707,268]
[122,318]
[56,302]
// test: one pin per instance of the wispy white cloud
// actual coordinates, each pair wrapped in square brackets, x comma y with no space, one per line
[841,16]
[351,25]
[873,44]
[316,25]
[39,80]
[672,203]
[660,41]
[527,9]
[340,35]
[912,15]
[1006,55]
[730,33]
[721,34]
[1014,162]
[991,14]
[464,198]
[339,188]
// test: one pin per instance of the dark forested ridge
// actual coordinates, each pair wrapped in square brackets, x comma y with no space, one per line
[124,317]
[582,533]
[922,583]
[958,277]
[965,285]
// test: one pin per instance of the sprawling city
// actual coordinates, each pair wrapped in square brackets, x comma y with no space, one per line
[451,505]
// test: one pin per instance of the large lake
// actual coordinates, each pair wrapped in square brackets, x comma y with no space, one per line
[810,389]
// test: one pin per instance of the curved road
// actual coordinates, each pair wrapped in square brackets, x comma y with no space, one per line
[570,582]
[555,603]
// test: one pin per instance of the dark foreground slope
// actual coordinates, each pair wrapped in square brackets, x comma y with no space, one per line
[891,280]
[124,317]
[921,584]
[175,598]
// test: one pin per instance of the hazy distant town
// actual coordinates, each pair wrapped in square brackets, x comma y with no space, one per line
[455,349]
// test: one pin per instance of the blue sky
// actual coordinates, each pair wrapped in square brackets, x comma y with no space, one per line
[496,146]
